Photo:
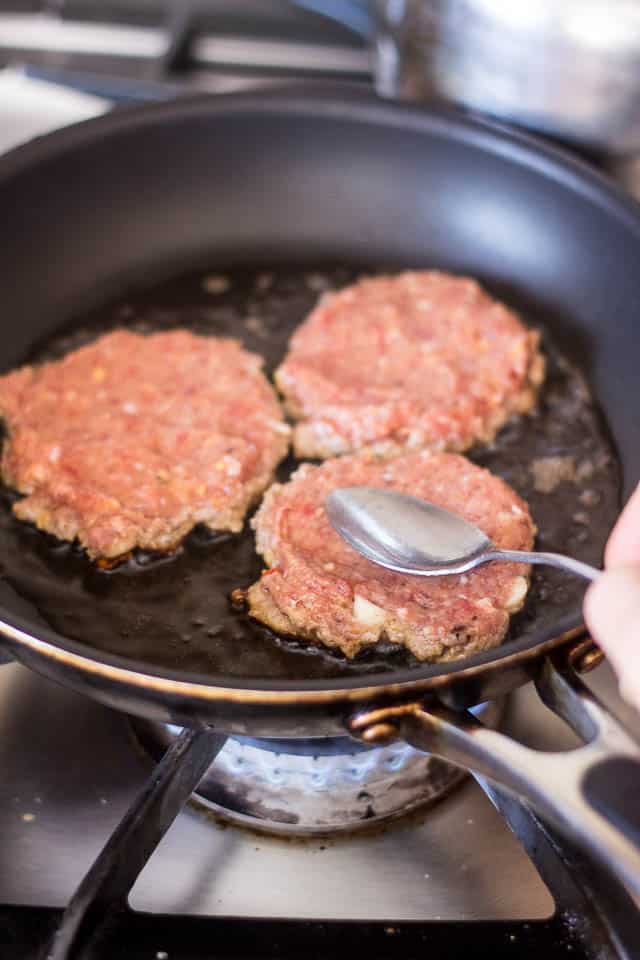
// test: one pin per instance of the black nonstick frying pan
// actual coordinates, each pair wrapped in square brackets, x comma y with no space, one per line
[313,176]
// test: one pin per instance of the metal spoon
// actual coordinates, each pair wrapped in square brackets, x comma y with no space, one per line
[413,536]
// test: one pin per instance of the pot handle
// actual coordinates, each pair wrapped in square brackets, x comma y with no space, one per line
[591,793]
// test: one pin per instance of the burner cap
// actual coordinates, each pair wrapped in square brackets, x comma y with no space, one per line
[314,786]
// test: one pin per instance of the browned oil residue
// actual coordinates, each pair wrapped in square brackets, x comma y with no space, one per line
[175,612]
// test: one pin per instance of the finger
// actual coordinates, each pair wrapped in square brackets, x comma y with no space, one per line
[612,613]
[623,548]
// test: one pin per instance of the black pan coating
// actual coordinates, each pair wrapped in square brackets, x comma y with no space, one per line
[174,612]
[307,176]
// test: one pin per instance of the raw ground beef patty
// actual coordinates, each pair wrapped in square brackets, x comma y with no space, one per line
[417,360]
[321,589]
[132,440]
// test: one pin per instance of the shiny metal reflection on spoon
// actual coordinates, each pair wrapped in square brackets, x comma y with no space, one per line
[409,535]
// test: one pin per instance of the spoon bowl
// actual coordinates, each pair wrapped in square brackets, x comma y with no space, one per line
[412,536]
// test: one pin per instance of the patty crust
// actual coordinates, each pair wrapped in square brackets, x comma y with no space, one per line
[417,360]
[320,589]
[132,440]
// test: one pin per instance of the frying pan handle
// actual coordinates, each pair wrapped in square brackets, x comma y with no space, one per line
[591,793]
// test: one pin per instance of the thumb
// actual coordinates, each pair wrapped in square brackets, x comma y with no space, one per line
[612,613]
[623,548]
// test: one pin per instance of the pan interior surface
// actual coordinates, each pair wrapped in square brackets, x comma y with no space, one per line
[300,179]
[173,612]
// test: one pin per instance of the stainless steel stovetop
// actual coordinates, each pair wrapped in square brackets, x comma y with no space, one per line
[71,768]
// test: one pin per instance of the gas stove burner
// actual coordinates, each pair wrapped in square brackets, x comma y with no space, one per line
[318,786]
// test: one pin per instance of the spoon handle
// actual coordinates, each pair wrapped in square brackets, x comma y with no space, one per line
[549,559]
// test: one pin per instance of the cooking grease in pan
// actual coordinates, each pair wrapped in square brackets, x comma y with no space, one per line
[175,611]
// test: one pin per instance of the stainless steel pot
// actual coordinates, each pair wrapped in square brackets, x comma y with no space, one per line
[566,68]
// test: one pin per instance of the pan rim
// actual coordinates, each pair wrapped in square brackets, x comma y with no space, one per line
[185,685]
[317,99]
[312,101]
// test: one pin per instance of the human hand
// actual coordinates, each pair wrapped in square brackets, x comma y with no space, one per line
[612,603]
